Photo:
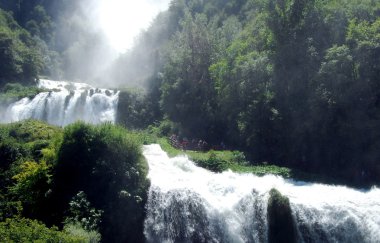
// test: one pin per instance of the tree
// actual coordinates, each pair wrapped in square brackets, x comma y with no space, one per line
[188,95]
[19,55]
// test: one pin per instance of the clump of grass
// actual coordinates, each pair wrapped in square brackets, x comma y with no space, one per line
[170,150]
[261,170]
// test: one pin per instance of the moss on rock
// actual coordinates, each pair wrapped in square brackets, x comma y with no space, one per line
[281,226]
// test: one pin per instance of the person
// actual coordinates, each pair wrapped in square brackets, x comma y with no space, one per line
[185,142]
[193,144]
[222,145]
[204,145]
[200,144]
[173,139]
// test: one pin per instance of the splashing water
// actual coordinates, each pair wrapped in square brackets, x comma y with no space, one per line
[190,204]
[65,103]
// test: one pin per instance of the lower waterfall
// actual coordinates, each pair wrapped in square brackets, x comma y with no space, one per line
[187,203]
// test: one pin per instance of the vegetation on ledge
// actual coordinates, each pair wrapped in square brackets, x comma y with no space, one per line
[12,92]
[222,160]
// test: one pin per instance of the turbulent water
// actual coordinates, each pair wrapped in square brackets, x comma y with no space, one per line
[65,103]
[189,204]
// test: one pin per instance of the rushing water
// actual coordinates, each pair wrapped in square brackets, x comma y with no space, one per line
[190,204]
[65,103]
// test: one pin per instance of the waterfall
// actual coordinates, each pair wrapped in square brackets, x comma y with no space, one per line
[65,103]
[187,203]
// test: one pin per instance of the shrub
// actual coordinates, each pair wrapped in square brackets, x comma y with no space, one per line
[213,162]
[83,214]
[239,158]
[27,156]
[32,184]
[27,230]
[106,163]
[76,230]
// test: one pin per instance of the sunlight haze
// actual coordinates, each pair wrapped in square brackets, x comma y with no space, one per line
[122,20]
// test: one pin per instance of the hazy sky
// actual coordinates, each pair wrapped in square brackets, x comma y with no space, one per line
[122,20]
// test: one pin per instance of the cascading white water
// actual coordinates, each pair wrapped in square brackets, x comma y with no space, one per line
[190,204]
[65,103]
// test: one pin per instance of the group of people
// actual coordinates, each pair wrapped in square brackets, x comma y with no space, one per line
[186,144]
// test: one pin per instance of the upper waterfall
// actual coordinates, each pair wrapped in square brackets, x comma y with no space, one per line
[64,103]
[187,203]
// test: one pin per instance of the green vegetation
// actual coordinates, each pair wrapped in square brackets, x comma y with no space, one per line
[12,92]
[292,83]
[47,38]
[19,56]
[281,227]
[105,162]
[27,230]
[134,110]
[92,178]
[165,145]
[219,161]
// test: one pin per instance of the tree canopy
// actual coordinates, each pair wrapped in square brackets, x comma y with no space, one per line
[291,82]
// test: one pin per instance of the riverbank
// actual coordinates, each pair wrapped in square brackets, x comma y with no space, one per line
[221,160]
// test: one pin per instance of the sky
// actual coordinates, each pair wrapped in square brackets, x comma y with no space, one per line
[122,20]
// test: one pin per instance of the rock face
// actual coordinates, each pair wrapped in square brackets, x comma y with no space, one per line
[281,226]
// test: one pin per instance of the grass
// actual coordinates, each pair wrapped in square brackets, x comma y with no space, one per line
[218,161]
[263,170]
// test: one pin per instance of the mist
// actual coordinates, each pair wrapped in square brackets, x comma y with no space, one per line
[96,37]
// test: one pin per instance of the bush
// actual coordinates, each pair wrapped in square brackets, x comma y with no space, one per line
[167,127]
[27,156]
[43,167]
[27,230]
[76,230]
[9,209]
[213,163]
[32,181]
[10,151]
[239,158]
[83,214]
[106,163]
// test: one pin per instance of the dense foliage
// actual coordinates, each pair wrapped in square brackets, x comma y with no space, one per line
[20,57]
[52,38]
[92,178]
[106,164]
[26,230]
[135,110]
[291,82]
